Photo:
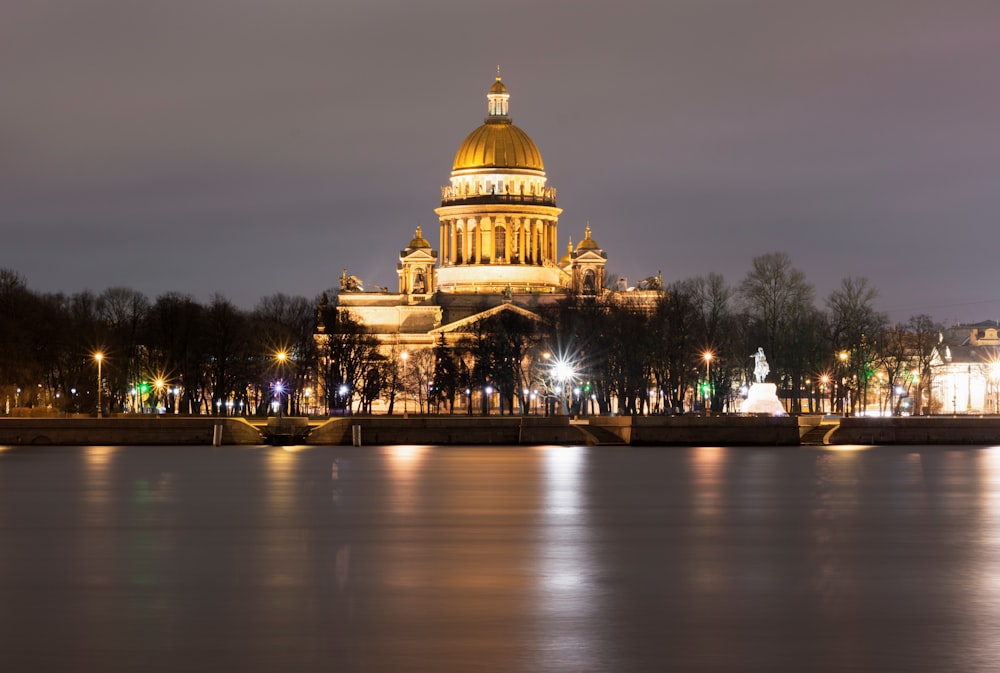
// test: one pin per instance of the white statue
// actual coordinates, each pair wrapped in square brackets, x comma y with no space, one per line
[760,368]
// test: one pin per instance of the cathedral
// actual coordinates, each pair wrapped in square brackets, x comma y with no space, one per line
[498,245]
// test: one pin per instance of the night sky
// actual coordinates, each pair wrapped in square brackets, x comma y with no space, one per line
[249,147]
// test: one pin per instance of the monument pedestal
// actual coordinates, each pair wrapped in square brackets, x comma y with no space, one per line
[762,398]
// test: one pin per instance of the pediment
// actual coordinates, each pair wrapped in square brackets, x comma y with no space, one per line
[460,325]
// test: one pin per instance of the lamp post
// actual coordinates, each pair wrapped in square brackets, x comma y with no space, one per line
[404,356]
[282,358]
[565,374]
[842,356]
[99,357]
[279,387]
[708,381]
[342,392]
[159,383]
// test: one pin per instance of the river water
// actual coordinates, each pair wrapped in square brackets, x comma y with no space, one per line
[513,559]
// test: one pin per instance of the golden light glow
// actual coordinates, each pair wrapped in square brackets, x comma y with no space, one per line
[406,454]
[708,356]
[281,356]
[98,356]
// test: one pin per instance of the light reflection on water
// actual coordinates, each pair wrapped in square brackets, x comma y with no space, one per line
[500,558]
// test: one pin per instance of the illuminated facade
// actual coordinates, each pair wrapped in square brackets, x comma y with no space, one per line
[967,374]
[498,247]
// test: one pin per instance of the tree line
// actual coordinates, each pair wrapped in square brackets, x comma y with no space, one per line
[686,348]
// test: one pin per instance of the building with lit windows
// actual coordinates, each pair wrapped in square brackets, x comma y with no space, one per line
[966,371]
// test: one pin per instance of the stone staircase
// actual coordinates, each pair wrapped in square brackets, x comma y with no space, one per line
[818,434]
[595,435]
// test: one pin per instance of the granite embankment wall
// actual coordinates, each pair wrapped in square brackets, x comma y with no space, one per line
[126,430]
[376,430]
[658,431]
[918,430]
[509,430]
[449,430]
[720,430]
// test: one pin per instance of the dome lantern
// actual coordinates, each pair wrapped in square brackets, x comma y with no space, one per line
[499,101]
[498,143]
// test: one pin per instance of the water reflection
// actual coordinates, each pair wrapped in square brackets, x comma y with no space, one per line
[567,599]
[500,559]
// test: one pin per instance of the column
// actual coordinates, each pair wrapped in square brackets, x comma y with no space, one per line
[506,240]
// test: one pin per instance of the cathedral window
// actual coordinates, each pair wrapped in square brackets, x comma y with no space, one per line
[500,243]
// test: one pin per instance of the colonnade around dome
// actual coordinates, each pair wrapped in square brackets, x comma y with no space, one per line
[498,239]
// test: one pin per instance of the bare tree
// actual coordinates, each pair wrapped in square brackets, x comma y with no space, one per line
[778,304]
[926,334]
[854,326]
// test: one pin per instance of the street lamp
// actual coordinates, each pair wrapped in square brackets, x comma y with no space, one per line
[279,387]
[842,356]
[282,357]
[707,355]
[565,374]
[404,356]
[342,392]
[99,357]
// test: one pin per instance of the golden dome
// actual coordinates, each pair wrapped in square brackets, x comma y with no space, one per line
[418,241]
[498,143]
[588,243]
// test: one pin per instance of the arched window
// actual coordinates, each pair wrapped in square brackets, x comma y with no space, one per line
[589,282]
[499,243]
[460,245]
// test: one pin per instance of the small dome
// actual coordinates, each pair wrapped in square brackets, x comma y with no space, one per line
[418,241]
[498,87]
[588,243]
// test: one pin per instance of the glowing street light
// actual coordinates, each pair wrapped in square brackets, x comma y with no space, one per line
[404,356]
[565,373]
[279,387]
[282,357]
[159,384]
[707,355]
[99,358]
